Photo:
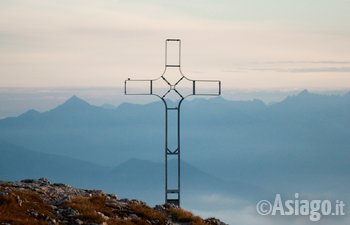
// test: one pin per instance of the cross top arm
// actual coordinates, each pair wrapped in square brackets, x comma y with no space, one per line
[172,79]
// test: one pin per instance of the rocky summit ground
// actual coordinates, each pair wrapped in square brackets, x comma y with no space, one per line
[41,202]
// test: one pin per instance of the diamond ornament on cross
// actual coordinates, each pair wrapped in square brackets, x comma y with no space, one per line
[172,87]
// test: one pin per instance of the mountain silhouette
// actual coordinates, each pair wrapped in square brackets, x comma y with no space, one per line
[18,163]
[283,146]
[134,178]
[74,104]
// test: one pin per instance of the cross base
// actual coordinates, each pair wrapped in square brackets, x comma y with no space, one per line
[173,201]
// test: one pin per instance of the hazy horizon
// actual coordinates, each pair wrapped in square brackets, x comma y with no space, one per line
[19,100]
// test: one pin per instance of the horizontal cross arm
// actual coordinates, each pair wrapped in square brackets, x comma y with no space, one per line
[207,87]
[138,87]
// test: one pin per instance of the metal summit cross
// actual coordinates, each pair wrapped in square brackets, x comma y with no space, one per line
[172,87]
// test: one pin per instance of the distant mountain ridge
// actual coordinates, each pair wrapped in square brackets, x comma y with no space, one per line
[241,142]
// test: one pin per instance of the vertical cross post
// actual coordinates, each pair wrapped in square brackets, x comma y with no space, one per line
[172,87]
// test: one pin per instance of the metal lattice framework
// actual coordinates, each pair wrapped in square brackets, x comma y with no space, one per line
[172,87]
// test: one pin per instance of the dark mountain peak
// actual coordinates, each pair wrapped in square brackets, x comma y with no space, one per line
[347,94]
[305,92]
[301,96]
[258,102]
[30,113]
[74,103]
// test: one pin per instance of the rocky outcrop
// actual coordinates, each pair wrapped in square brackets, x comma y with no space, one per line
[41,202]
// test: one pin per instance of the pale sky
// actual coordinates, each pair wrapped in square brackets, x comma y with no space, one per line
[270,44]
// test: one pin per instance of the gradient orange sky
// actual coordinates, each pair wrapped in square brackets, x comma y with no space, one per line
[269,44]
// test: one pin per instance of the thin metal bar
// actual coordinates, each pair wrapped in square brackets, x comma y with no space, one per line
[179,94]
[179,151]
[207,94]
[166,153]
[166,52]
[131,80]
[166,80]
[166,94]
[176,152]
[172,153]
[194,87]
[179,81]
[179,53]
[139,94]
